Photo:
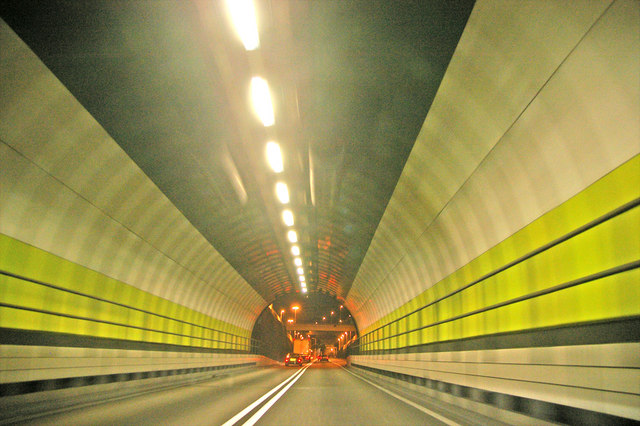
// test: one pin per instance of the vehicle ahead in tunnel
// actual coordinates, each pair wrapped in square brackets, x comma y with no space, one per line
[293,359]
[301,346]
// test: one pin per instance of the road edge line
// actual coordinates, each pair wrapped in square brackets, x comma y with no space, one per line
[405,400]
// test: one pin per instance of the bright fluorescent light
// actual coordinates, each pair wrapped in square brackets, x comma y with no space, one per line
[262,101]
[282,192]
[300,271]
[295,250]
[304,289]
[302,279]
[243,16]
[287,217]
[297,261]
[292,236]
[274,157]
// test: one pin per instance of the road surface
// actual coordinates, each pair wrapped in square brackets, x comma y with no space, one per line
[320,393]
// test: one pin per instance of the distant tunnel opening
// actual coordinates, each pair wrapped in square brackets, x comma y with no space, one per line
[319,318]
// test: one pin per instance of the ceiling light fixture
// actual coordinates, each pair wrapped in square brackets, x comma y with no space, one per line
[287,217]
[262,100]
[274,157]
[300,271]
[243,16]
[292,236]
[282,192]
[295,250]
[304,289]
[302,279]
[297,261]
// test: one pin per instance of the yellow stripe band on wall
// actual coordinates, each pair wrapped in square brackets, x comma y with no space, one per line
[43,292]
[605,246]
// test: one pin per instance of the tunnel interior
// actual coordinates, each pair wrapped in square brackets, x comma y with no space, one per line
[320,318]
[464,179]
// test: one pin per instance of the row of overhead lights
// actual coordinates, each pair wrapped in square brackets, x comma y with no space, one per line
[324,317]
[243,16]
[344,336]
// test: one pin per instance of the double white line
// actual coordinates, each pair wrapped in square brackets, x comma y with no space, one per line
[287,384]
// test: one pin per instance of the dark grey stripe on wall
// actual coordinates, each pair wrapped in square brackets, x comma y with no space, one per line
[10,336]
[20,388]
[622,330]
[531,407]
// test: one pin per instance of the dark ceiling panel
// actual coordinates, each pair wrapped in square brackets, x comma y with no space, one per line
[352,82]
[371,71]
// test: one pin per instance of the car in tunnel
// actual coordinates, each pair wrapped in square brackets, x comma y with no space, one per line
[323,358]
[293,359]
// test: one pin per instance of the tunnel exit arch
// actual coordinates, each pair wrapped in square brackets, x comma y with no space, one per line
[279,322]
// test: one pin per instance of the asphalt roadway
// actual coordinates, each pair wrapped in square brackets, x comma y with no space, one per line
[321,393]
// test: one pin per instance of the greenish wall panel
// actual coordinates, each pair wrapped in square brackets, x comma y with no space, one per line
[477,181]
[582,241]
[42,292]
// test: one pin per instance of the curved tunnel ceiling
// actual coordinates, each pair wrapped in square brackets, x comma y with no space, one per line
[352,83]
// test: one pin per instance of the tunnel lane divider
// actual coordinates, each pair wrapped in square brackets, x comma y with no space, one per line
[428,412]
[289,381]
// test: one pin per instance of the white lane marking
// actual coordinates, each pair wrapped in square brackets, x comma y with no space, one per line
[246,411]
[272,401]
[405,400]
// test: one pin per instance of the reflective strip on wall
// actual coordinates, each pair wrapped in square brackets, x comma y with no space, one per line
[577,263]
[43,292]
